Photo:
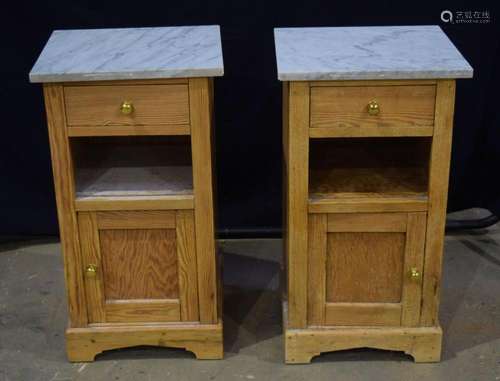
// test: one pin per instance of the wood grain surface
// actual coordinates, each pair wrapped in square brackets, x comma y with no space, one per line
[171,202]
[144,219]
[366,222]
[378,167]
[64,187]
[297,188]
[422,343]
[143,311]
[363,314]
[200,104]
[368,204]
[91,255]
[83,344]
[316,277]
[414,259]
[188,273]
[365,267]
[139,264]
[438,195]
[346,106]
[100,105]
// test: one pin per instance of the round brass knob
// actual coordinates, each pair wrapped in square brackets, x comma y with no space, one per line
[127,107]
[373,108]
[91,271]
[415,274]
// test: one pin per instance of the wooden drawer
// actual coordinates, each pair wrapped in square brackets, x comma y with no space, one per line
[403,110]
[156,109]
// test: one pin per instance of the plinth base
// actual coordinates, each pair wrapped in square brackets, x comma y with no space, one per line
[422,343]
[204,340]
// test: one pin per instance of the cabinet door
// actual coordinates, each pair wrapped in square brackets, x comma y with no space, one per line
[139,266]
[365,269]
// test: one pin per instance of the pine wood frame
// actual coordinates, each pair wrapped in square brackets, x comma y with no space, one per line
[199,327]
[306,334]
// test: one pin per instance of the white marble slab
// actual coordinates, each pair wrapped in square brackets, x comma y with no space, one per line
[119,181]
[393,52]
[132,53]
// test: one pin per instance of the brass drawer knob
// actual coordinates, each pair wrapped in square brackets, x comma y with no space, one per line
[415,274]
[127,107]
[373,108]
[91,271]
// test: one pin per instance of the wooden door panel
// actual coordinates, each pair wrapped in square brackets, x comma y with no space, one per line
[364,267]
[146,266]
[359,266]
[139,264]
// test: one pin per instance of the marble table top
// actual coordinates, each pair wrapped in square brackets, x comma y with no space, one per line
[131,53]
[387,52]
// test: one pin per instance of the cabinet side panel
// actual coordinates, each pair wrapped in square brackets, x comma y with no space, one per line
[297,152]
[199,103]
[62,168]
[438,195]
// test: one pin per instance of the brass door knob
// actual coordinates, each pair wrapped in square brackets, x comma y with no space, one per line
[373,108]
[415,274]
[91,271]
[127,107]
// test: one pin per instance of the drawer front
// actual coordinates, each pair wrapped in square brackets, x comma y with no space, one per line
[397,109]
[151,105]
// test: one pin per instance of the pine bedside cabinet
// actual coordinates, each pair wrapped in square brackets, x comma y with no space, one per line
[367,127]
[130,125]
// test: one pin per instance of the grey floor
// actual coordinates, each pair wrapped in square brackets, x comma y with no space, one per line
[33,318]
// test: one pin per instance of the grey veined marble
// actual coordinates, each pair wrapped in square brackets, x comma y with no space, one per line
[393,52]
[133,53]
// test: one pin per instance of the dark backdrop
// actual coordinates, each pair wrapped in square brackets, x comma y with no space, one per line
[248,97]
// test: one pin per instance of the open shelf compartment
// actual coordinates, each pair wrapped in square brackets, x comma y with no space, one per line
[132,167]
[368,168]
